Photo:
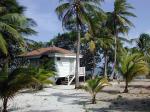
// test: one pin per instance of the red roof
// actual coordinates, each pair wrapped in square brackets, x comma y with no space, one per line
[42,51]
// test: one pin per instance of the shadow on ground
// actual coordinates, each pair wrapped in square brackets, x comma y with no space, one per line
[125,105]
[137,86]
[75,98]
[44,111]
[111,91]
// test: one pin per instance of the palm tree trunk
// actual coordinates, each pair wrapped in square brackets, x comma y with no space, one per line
[115,58]
[93,74]
[126,87]
[5,100]
[115,48]
[5,104]
[77,60]
[105,64]
[94,99]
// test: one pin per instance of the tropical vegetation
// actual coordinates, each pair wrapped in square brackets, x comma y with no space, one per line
[118,23]
[12,82]
[96,34]
[43,73]
[131,66]
[93,86]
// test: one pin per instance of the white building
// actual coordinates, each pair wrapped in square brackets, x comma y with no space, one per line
[65,62]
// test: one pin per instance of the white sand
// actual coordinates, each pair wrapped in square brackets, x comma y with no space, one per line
[67,99]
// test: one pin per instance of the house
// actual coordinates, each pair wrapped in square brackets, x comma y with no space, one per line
[64,61]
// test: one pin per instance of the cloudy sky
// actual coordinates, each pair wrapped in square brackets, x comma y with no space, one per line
[43,12]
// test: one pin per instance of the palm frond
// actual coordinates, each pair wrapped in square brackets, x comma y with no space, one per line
[95,85]
[13,18]
[132,65]
[3,45]
[4,28]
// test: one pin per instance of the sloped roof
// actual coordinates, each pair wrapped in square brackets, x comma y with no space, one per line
[43,51]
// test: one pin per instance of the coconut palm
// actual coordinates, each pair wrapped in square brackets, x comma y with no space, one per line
[91,43]
[93,86]
[93,35]
[143,43]
[12,26]
[76,11]
[118,22]
[13,82]
[131,66]
[103,42]
[106,44]
[12,6]
[7,30]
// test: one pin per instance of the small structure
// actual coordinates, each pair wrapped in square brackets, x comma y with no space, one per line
[64,60]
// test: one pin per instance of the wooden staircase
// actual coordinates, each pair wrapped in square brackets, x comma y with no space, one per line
[69,79]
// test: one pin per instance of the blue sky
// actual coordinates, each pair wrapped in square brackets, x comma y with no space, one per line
[43,12]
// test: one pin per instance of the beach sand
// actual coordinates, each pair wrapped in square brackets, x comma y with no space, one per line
[64,98]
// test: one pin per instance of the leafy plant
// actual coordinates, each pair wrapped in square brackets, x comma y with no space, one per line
[143,43]
[43,72]
[13,82]
[93,86]
[42,76]
[131,66]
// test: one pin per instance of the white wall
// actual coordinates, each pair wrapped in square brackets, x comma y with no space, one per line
[65,66]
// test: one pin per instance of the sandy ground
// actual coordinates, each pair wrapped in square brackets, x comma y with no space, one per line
[67,99]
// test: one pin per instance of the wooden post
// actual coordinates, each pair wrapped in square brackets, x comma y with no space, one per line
[68,80]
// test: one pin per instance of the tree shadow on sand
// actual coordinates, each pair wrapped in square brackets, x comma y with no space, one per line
[124,105]
[44,111]
[111,91]
[14,109]
[137,86]
[76,98]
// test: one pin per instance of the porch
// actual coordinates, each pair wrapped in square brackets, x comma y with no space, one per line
[71,77]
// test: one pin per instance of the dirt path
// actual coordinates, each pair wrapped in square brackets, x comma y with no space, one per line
[66,99]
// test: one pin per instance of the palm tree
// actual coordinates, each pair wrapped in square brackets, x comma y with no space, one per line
[131,66]
[118,22]
[12,6]
[13,24]
[11,83]
[94,86]
[91,43]
[101,41]
[9,36]
[143,43]
[106,44]
[7,30]
[93,35]
[76,11]
[12,27]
